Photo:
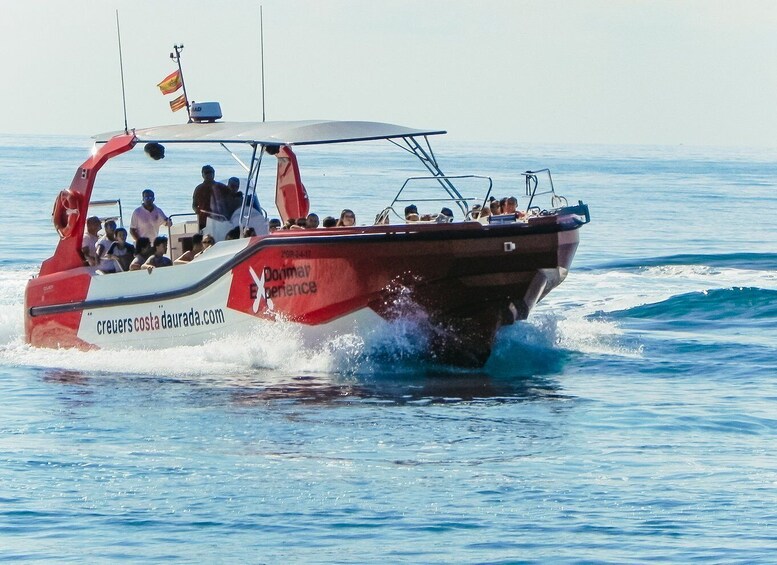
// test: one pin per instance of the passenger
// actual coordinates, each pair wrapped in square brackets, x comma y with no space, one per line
[235,200]
[329,222]
[411,210]
[207,242]
[275,225]
[105,264]
[203,201]
[445,216]
[511,207]
[503,205]
[485,214]
[234,233]
[347,218]
[382,218]
[474,213]
[197,248]
[495,208]
[249,232]
[120,251]
[311,222]
[147,218]
[91,237]
[158,259]
[143,251]
[290,222]
[301,223]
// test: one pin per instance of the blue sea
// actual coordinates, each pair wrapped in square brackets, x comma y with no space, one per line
[631,419]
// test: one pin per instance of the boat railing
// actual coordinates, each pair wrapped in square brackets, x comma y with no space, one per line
[462,202]
[536,188]
[117,217]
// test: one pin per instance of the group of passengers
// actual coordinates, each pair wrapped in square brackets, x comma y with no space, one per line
[506,206]
[312,222]
[113,253]
[444,216]
[213,199]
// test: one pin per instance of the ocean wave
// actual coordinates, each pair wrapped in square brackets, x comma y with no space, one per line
[734,305]
[750,261]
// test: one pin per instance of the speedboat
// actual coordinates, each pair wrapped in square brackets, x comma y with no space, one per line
[464,273]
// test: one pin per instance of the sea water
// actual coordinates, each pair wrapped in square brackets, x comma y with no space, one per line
[632,418]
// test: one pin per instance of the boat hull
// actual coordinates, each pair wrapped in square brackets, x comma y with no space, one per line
[465,280]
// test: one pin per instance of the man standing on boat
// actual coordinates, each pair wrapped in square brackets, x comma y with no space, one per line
[148,218]
[207,196]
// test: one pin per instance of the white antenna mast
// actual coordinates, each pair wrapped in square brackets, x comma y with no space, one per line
[261,41]
[121,67]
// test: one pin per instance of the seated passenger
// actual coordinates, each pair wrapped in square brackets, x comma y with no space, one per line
[158,259]
[484,215]
[104,264]
[234,233]
[121,252]
[329,222]
[511,207]
[445,216]
[347,218]
[249,232]
[311,222]
[143,251]
[91,237]
[207,242]
[196,249]
[275,224]
[411,213]
[496,209]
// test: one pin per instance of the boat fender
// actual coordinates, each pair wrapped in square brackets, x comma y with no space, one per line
[65,213]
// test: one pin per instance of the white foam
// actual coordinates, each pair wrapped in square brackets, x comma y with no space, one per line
[562,321]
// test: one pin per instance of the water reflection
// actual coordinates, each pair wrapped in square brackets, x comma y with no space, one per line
[65,377]
[432,388]
[428,385]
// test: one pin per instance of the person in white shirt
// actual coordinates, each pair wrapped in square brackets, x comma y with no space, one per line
[103,244]
[148,218]
[91,237]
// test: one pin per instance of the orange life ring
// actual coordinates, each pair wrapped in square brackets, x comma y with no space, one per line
[65,214]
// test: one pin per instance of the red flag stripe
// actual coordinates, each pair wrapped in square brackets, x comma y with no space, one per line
[178,103]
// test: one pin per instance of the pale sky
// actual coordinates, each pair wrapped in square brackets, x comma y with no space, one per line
[700,72]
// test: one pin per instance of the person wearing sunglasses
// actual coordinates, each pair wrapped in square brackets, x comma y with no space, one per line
[148,218]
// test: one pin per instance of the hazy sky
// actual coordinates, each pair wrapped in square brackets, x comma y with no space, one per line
[653,72]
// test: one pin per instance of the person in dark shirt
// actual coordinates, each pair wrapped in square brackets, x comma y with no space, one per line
[208,196]
[158,259]
[121,251]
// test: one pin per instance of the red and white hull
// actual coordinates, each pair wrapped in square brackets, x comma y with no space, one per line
[469,280]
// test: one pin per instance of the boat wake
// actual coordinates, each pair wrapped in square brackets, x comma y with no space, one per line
[592,313]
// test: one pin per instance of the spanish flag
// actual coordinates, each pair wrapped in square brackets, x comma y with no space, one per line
[170,83]
[178,103]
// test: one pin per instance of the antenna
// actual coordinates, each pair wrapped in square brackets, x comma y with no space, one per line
[261,42]
[177,58]
[121,67]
